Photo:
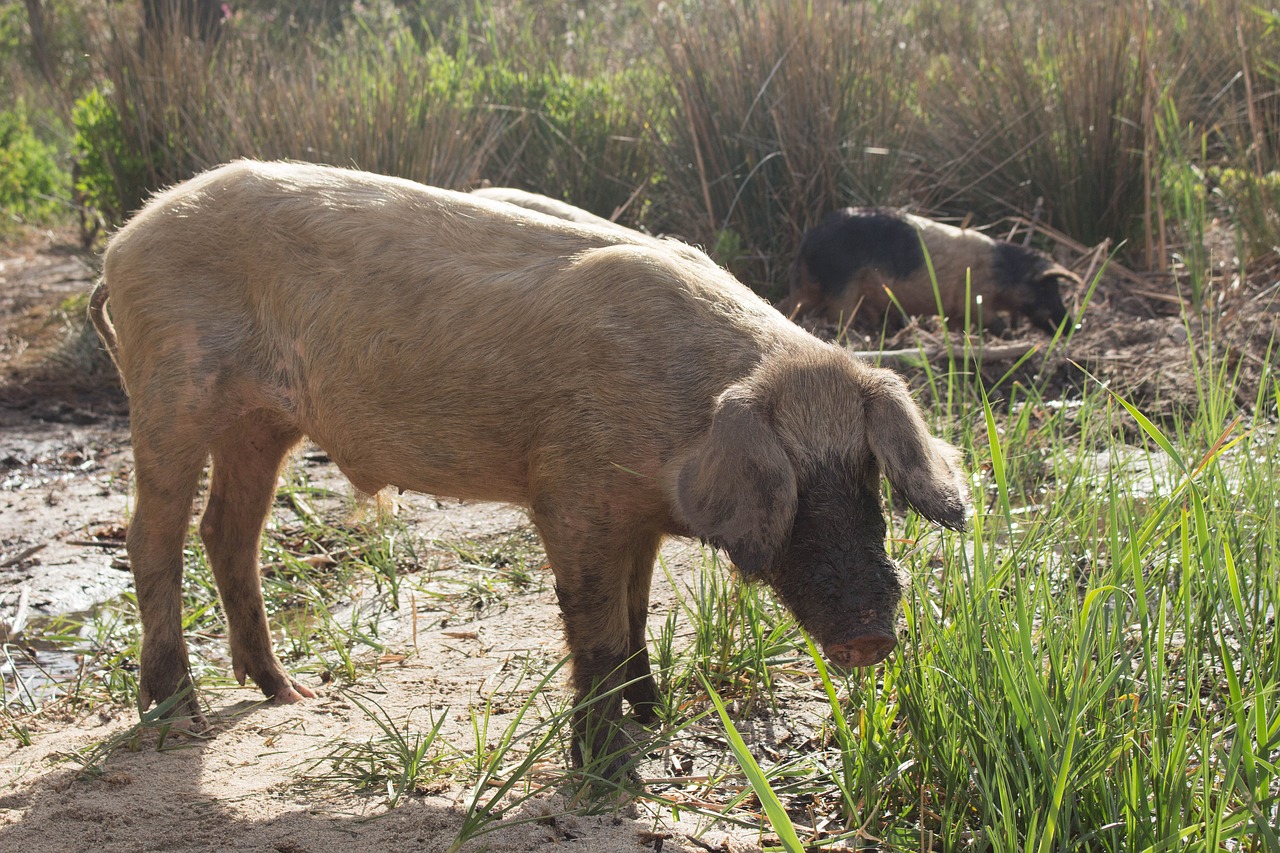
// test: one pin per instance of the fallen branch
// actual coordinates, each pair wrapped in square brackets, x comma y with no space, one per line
[995,352]
[22,555]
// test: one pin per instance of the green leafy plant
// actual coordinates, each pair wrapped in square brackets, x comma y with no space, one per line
[33,184]
[1251,201]
[778,817]
[395,764]
[111,174]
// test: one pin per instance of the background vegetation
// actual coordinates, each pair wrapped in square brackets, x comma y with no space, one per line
[1095,665]
[733,125]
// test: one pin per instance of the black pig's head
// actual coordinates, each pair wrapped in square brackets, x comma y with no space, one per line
[787,481]
[1030,284]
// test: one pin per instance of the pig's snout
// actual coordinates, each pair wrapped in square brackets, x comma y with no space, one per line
[863,650]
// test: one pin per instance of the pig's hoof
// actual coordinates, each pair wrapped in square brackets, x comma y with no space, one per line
[863,650]
[611,784]
[291,693]
[598,797]
[275,683]
[195,725]
[175,703]
[182,717]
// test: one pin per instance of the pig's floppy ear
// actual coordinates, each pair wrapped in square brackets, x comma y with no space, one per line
[923,469]
[737,489]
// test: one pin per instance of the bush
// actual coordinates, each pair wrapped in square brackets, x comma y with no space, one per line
[111,177]
[568,137]
[1253,203]
[366,98]
[33,185]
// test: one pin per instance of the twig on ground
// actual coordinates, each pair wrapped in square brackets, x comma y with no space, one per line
[22,555]
[998,352]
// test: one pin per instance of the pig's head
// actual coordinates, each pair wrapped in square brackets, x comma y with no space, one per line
[1030,284]
[787,481]
[1041,298]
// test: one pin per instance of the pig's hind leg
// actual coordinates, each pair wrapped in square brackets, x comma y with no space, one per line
[247,458]
[169,453]
[162,511]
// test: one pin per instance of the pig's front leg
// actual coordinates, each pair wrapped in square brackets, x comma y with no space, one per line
[641,692]
[602,583]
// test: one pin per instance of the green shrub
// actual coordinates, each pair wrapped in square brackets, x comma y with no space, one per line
[33,185]
[13,24]
[63,66]
[362,98]
[573,138]
[111,177]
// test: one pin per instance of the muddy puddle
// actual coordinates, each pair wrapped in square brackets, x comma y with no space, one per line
[44,659]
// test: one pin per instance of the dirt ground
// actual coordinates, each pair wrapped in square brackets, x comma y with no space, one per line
[64,498]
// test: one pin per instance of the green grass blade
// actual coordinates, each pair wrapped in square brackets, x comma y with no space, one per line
[778,817]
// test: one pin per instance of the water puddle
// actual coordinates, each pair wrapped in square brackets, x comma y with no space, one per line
[46,659]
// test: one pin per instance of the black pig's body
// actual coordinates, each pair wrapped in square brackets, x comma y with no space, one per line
[852,260]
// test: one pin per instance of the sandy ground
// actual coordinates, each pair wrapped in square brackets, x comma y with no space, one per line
[252,784]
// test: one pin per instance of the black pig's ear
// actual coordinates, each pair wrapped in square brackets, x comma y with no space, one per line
[737,489]
[923,469]
[1061,273]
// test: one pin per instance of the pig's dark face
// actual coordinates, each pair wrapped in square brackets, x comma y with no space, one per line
[1030,284]
[1041,301]
[834,574]
[787,481]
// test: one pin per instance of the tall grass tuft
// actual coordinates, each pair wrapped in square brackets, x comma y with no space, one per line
[782,112]
[1026,104]
[1098,668]
[734,633]
[378,101]
[1095,665]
